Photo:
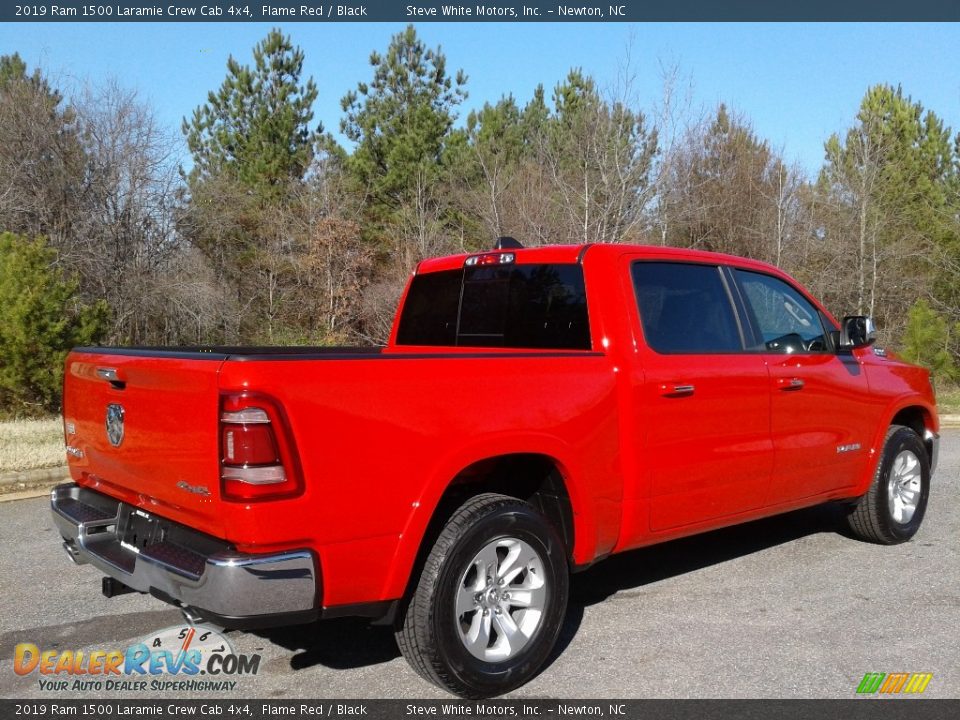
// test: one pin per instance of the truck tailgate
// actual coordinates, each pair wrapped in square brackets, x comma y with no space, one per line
[141,425]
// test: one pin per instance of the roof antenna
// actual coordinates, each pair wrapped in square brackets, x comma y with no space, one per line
[507,243]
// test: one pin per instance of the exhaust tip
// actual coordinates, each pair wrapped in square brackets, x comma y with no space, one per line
[190,615]
[73,552]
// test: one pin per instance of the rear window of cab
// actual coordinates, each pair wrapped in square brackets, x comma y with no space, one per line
[537,306]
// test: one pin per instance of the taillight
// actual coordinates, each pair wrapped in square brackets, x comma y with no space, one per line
[257,456]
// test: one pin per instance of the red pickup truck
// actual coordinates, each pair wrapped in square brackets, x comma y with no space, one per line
[534,411]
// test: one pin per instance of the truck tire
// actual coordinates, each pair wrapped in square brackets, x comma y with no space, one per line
[893,508]
[490,601]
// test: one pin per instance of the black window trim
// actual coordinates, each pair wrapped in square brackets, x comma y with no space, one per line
[456,330]
[719,267]
[751,338]
[749,320]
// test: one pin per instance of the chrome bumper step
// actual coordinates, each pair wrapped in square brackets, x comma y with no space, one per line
[151,554]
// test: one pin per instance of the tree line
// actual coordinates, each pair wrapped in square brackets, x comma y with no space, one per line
[277,234]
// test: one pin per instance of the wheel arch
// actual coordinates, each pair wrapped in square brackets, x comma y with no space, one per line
[918,416]
[539,471]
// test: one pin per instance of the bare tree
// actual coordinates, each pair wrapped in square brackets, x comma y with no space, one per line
[599,153]
[43,180]
[724,189]
[126,236]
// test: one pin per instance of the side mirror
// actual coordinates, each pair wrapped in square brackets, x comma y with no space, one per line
[857,331]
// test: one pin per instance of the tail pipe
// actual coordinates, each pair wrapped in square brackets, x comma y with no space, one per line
[73,552]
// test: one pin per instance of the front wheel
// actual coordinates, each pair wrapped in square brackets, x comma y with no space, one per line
[490,601]
[894,506]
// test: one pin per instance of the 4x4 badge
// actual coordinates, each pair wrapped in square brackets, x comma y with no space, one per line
[115,424]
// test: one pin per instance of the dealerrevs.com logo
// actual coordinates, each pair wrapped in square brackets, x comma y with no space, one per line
[176,659]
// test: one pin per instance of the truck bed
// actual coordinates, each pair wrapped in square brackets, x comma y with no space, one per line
[365,424]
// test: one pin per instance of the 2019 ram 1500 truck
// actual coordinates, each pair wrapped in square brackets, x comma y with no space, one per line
[534,411]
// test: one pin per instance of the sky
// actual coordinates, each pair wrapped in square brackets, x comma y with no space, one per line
[796,83]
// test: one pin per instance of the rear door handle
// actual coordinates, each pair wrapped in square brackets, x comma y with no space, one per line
[790,383]
[675,390]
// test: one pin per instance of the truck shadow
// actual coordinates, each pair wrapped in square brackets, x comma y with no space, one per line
[347,643]
[340,643]
[666,560]
[632,570]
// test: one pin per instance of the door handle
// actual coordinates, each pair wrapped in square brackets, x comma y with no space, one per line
[112,376]
[790,383]
[672,390]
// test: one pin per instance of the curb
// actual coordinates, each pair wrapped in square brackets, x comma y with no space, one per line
[18,482]
[950,420]
[25,495]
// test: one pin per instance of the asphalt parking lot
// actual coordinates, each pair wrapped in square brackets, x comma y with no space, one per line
[785,608]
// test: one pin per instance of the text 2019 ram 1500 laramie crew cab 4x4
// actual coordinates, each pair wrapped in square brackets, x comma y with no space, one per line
[534,411]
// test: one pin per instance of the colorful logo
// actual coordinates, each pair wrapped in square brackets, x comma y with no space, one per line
[186,651]
[894,683]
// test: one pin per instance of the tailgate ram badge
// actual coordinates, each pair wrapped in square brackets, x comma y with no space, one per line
[115,424]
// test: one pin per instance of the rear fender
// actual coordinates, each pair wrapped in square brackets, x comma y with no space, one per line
[449,467]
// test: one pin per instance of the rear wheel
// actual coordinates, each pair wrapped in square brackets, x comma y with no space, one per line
[490,601]
[894,506]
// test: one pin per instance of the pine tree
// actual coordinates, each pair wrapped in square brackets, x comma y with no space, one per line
[256,127]
[887,183]
[926,341]
[401,121]
[40,320]
[252,146]
[534,118]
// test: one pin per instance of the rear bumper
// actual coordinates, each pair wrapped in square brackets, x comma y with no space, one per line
[202,574]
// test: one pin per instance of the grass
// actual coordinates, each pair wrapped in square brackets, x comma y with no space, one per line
[31,444]
[948,400]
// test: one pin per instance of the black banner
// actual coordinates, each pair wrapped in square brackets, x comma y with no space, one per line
[860,709]
[432,11]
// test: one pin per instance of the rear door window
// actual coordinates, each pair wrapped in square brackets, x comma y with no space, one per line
[685,308]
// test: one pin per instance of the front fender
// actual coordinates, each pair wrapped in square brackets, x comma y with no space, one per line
[908,400]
